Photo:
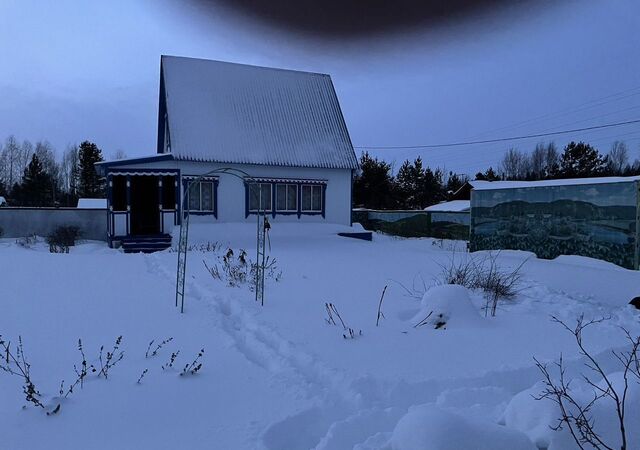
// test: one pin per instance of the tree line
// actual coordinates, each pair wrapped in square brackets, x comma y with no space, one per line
[413,187]
[33,175]
[577,160]
[416,186]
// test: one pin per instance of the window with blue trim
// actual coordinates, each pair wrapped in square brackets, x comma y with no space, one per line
[311,198]
[286,197]
[259,197]
[201,196]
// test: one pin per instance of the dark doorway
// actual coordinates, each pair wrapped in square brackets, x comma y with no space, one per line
[145,209]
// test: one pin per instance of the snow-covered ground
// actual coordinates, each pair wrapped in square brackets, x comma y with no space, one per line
[280,377]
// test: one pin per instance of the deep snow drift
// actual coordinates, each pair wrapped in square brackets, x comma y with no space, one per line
[283,376]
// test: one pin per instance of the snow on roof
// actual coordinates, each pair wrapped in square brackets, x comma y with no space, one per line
[235,113]
[490,185]
[452,206]
[92,203]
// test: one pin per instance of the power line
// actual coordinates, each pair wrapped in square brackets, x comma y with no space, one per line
[488,141]
[570,110]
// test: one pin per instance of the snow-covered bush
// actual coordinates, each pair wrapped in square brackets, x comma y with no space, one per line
[63,237]
[445,306]
[483,273]
[429,427]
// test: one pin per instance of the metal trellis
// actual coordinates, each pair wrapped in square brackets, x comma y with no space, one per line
[263,227]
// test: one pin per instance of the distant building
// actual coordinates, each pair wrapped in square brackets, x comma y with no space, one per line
[594,217]
[92,203]
[451,206]
[281,130]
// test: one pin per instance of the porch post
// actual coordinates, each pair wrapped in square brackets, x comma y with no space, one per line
[128,216]
[160,203]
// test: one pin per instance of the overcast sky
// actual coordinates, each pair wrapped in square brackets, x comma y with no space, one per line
[72,70]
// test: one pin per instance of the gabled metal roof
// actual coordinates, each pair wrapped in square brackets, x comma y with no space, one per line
[235,113]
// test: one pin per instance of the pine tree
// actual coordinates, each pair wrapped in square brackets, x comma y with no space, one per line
[488,175]
[90,185]
[373,187]
[410,183]
[580,161]
[433,190]
[35,189]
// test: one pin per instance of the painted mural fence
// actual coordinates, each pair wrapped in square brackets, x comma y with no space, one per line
[598,221]
[19,222]
[440,225]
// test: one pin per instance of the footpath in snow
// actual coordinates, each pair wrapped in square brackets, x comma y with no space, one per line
[284,376]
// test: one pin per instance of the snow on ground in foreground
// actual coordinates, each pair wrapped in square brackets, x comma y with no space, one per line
[279,376]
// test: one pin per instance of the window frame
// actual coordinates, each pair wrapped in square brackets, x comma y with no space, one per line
[187,181]
[311,188]
[260,184]
[316,186]
[287,209]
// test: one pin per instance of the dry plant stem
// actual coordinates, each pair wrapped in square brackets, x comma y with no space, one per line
[380,313]
[22,370]
[423,321]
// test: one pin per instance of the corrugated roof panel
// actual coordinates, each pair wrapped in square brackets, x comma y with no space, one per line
[234,113]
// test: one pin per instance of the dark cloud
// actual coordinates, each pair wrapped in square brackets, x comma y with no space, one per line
[358,18]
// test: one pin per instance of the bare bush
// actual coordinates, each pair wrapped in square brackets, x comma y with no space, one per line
[62,238]
[576,415]
[239,270]
[483,273]
[16,364]
[111,358]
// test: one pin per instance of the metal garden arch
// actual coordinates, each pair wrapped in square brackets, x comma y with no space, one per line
[184,236]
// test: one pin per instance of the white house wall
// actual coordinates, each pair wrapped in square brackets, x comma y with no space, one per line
[231,190]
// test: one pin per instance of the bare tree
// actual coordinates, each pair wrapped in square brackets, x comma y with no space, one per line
[552,160]
[539,161]
[119,154]
[515,165]
[576,415]
[47,156]
[618,158]
[9,160]
[24,157]
[69,169]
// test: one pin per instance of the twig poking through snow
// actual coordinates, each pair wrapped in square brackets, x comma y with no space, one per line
[158,347]
[144,372]
[423,321]
[195,366]
[331,312]
[111,358]
[172,360]
[380,313]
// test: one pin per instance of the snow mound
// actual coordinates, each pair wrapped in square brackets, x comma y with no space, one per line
[429,427]
[533,417]
[449,305]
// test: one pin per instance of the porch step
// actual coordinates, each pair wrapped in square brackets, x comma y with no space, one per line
[146,244]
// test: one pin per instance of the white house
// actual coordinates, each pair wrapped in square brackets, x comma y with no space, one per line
[280,133]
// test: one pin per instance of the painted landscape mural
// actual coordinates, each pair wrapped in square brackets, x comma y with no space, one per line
[597,220]
[440,225]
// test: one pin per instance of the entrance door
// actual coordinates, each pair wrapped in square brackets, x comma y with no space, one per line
[145,201]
